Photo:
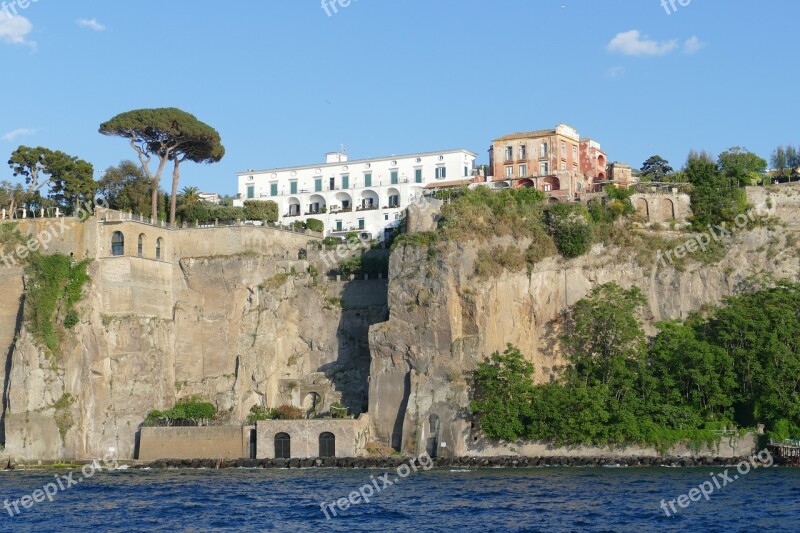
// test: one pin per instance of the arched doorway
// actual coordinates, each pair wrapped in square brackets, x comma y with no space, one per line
[311,404]
[283,449]
[327,445]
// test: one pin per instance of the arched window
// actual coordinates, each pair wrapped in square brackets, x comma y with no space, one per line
[159,248]
[283,446]
[140,248]
[117,243]
[327,445]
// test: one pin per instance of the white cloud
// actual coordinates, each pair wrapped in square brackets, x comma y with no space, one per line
[615,72]
[92,24]
[634,43]
[22,132]
[693,45]
[14,29]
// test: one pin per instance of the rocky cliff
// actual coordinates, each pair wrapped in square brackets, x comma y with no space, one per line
[444,320]
[245,330]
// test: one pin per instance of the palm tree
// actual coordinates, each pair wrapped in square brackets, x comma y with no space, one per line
[190,195]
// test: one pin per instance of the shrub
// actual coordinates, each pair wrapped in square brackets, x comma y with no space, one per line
[314,224]
[338,410]
[258,412]
[259,210]
[192,410]
[288,412]
[570,229]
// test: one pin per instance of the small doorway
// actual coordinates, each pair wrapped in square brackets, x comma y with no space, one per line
[327,445]
[283,446]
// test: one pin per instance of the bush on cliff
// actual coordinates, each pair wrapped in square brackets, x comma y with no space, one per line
[189,411]
[692,380]
[259,210]
[55,285]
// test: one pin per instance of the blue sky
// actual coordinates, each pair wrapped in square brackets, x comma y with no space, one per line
[284,82]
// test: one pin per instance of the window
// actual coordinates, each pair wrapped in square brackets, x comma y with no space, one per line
[345,181]
[441,173]
[159,248]
[338,225]
[273,189]
[563,165]
[418,175]
[509,153]
[293,187]
[386,216]
[523,152]
[327,445]
[394,177]
[466,171]
[509,171]
[547,187]
[523,171]
[360,223]
[574,152]
[394,200]
[544,168]
[251,192]
[368,179]
[317,184]
[140,249]
[283,446]
[544,149]
[563,149]
[117,243]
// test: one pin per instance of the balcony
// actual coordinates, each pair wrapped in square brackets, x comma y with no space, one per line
[367,208]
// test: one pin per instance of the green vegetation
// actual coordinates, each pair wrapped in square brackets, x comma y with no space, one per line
[716,195]
[694,379]
[258,210]
[371,262]
[313,224]
[569,225]
[288,412]
[55,284]
[338,410]
[189,411]
[257,412]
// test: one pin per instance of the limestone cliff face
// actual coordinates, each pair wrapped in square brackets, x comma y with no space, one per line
[245,330]
[443,320]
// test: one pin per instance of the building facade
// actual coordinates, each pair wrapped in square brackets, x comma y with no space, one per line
[367,195]
[557,162]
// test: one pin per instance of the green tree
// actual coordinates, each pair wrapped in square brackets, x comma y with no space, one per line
[168,134]
[656,168]
[779,161]
[503,394]
[70,179]
[126,188]
[569,225]
[606,344]
[189,195]
[742,166]
[259,210]
[715,196]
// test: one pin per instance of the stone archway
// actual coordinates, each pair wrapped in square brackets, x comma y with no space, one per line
[643,208]
[667,210]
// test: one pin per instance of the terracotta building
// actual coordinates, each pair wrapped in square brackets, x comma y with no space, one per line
[557,162]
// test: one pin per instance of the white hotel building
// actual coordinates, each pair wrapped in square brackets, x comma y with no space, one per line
[367,195]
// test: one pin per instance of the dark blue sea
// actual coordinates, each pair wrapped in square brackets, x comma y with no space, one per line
[535,499]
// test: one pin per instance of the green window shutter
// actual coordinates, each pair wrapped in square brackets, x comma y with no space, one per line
[345,182]
[418,175]
[273,189]
[318,185]
[394,177]
[293,187]
[368,179]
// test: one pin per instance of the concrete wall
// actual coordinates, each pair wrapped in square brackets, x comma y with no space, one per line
[214,442]
[351,435]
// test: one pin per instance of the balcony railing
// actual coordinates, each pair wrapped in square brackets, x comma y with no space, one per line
[366,208]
